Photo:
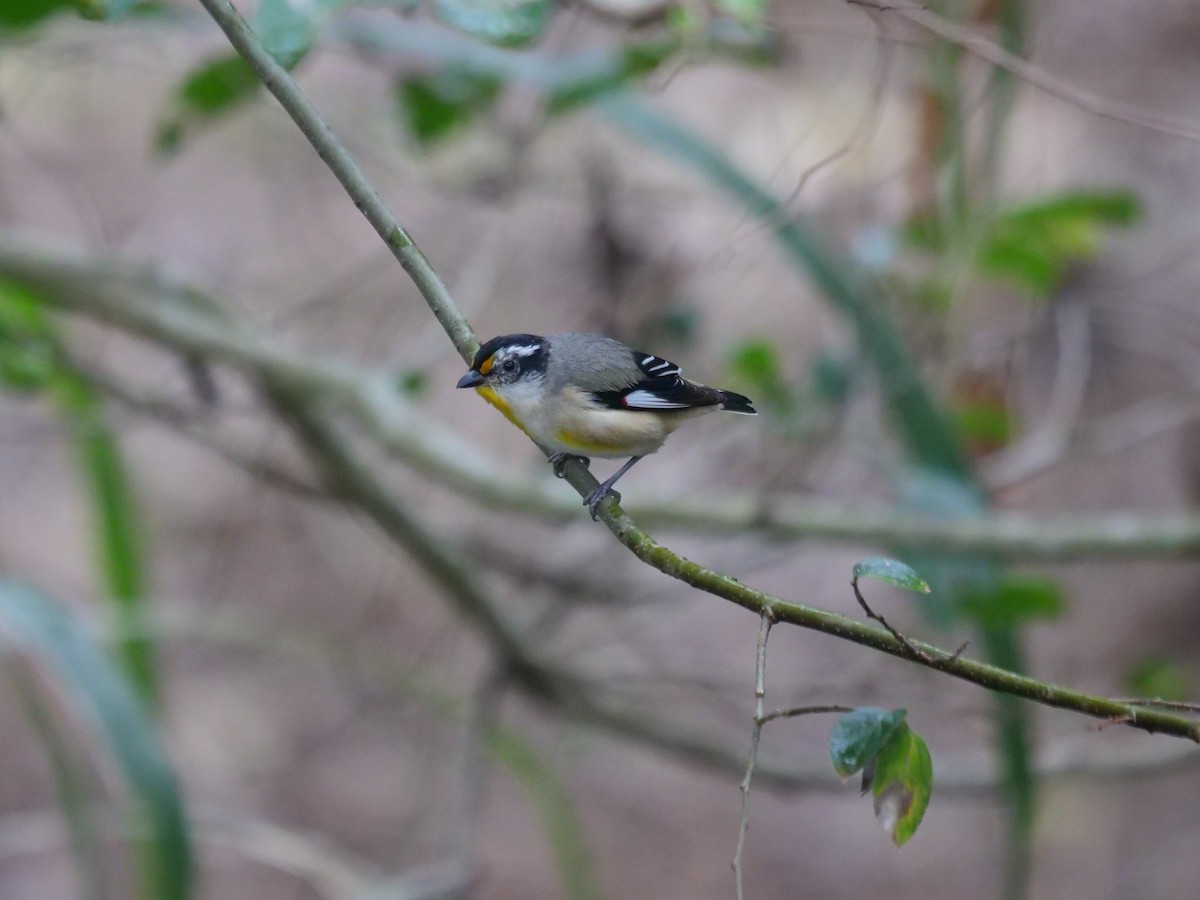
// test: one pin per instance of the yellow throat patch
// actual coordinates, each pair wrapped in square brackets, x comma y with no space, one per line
[490,395]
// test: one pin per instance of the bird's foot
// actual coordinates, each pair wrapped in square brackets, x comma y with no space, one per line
[595,497]
[558,460]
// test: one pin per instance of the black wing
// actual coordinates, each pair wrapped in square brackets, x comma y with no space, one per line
[662,389]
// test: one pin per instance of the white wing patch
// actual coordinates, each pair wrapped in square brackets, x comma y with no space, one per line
[649,400]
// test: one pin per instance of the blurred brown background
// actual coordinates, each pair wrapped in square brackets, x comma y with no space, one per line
[314,681]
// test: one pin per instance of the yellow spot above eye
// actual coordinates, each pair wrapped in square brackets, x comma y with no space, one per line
[486,365]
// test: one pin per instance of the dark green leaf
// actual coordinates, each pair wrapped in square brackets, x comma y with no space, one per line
[214,89]
[857,737]
[632,62]
[117,533]
[890,571]
[435,106]
[1036,245]
[104,699]
[903,783]
[1013,600]
[27,354]
[510,23]
[25,13]
[1160,678]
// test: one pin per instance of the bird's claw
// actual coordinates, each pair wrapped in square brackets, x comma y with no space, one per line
[595,497]
[559,460]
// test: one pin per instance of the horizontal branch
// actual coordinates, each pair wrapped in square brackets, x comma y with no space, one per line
[181,317]
[991,677]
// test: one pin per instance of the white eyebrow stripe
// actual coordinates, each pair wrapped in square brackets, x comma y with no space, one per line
[525,349]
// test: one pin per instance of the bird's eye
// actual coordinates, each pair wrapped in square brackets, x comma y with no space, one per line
[509,365]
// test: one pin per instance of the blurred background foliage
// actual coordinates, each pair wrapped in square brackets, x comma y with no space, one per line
[949,293]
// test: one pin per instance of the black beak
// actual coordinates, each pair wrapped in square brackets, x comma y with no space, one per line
[471,379]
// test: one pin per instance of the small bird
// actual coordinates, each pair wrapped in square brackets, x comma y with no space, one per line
[586,395]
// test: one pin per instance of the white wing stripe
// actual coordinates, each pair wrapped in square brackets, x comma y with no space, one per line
[649,400]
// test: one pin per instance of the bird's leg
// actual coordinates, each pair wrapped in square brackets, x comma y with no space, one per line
[558,460]
[594,498]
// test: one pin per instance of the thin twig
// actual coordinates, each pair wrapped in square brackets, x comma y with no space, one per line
[905,642]
[277,80]
[803,711]
[760,692]
[1034,75]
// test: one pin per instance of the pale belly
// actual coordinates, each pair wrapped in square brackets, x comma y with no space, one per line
[589,430]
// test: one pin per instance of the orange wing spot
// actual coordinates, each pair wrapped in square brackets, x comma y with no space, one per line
[486,365]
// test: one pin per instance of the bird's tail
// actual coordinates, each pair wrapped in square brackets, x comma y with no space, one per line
[737,403]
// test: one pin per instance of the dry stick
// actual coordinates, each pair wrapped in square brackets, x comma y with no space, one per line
[989,51]
[761,719]
[760,692]
[280,83]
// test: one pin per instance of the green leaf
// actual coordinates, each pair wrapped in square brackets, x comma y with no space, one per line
[117,531]
[15,14]
[858,736]
[1014,599]
[212,90]
[104,699]
[27,353]
[510,23]
[289,28]
[435,106]
[890,571]
[1160,678]
[632,62]
[903,783]
[1036,245]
